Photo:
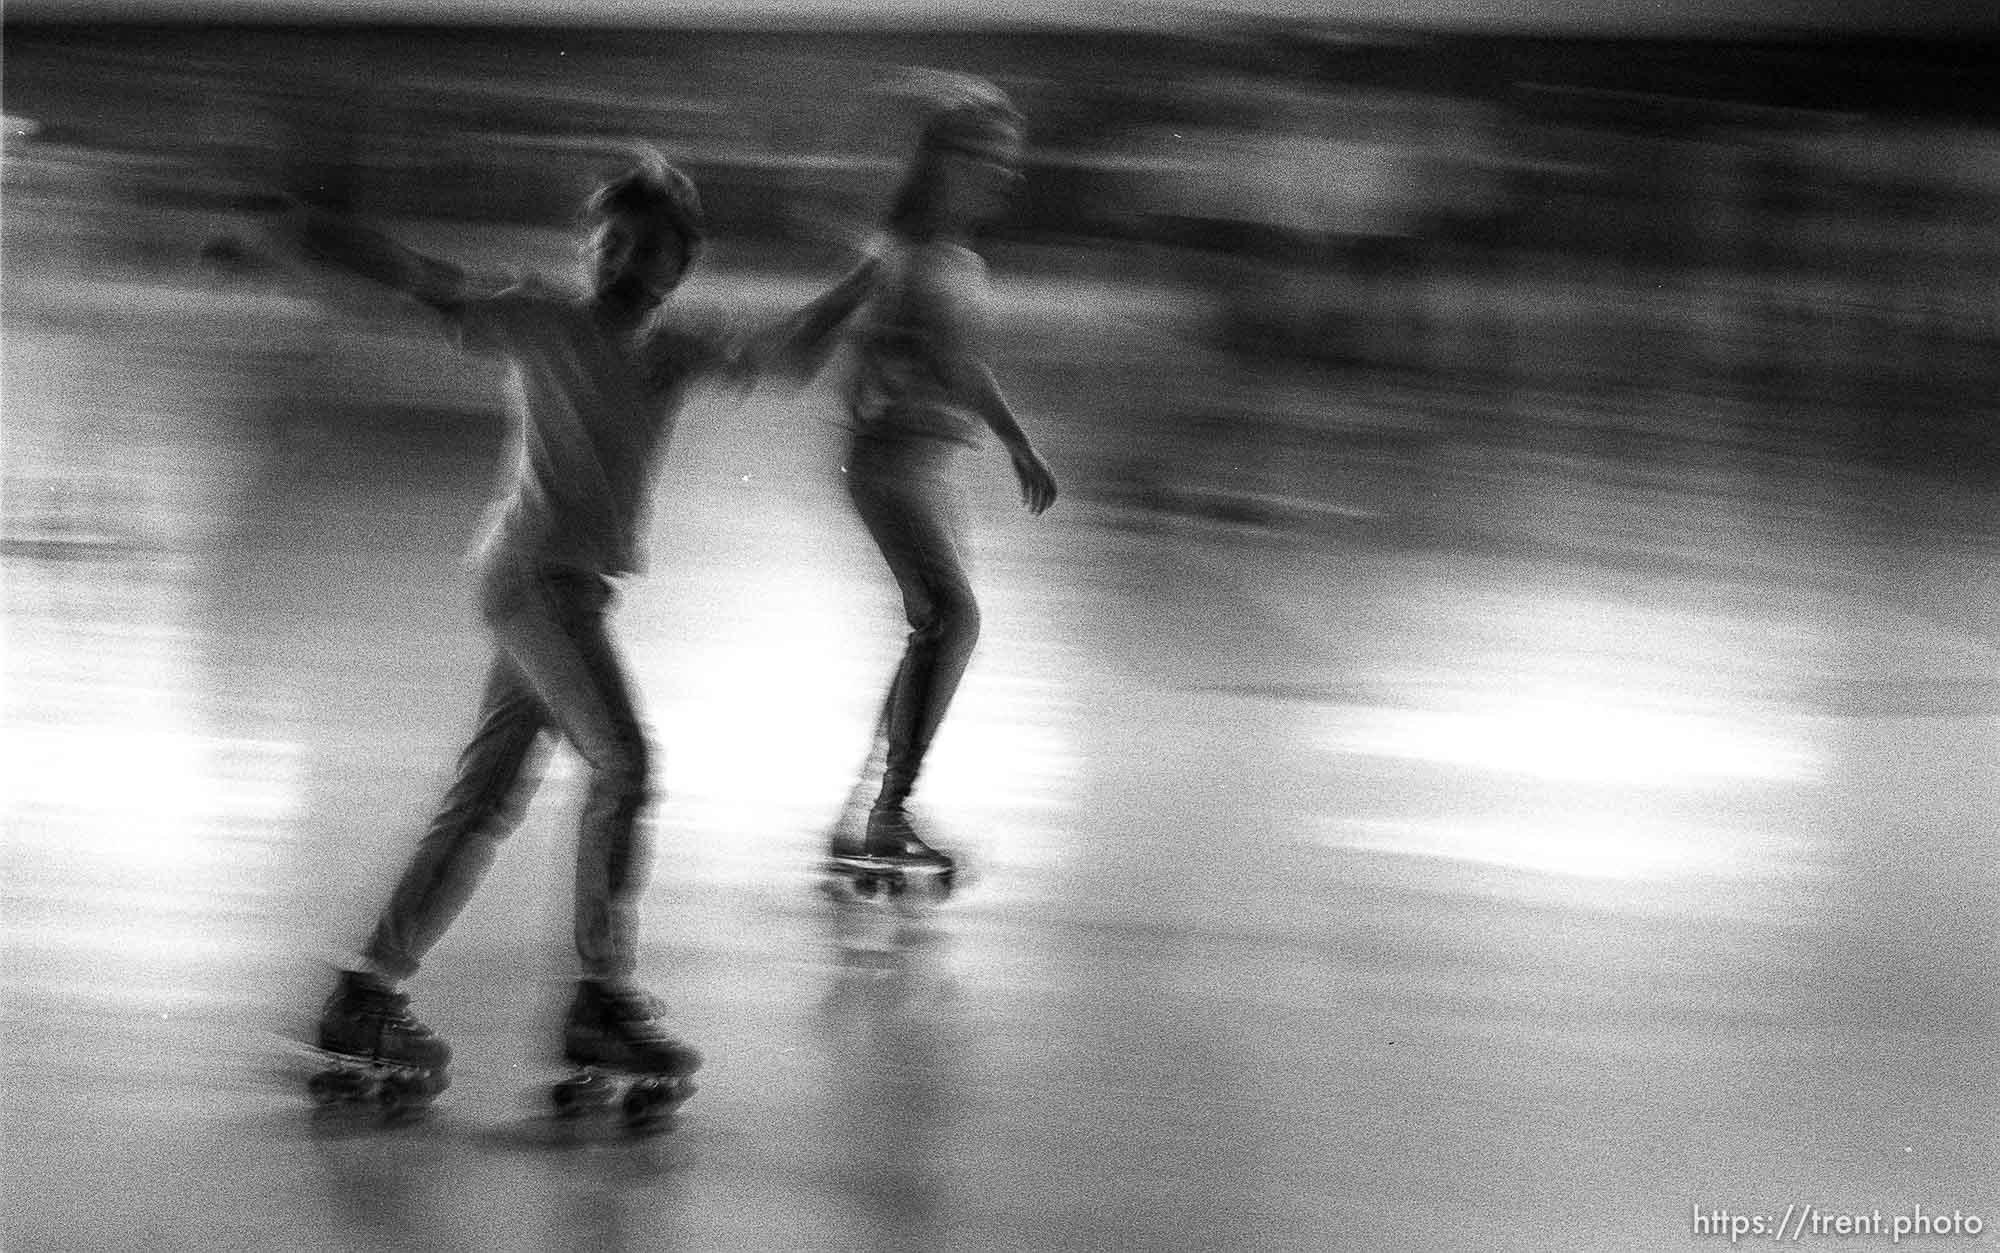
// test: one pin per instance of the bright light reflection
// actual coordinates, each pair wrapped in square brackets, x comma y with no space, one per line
[1576,738]
[770,733]
[145,795]
[1607,847]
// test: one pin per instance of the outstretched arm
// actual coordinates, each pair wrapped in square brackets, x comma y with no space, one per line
[798,345]
[345,244]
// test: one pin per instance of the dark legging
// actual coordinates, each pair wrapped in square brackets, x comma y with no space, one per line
[906,490]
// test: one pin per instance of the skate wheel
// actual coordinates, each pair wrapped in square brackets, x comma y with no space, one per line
[331,1087]
[898,885]
[406,1096]
[579,1095]
[649,1101]
[865,885]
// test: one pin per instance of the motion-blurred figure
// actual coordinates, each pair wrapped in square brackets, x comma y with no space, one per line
[596,382]
[920,394]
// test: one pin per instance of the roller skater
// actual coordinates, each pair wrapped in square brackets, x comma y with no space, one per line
[597,378]
[920,394]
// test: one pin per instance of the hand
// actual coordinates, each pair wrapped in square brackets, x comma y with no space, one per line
[1038,483]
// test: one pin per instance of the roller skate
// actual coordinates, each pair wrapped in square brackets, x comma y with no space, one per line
[613,1039]
[376,1050]
[890,857]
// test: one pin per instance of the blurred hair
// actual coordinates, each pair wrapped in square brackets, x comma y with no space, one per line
[969,117]
[654,192]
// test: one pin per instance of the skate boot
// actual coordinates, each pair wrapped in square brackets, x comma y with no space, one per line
[847,838]
[890,855]
[614,1033]
[844,845]
[891,837]
[377,1049]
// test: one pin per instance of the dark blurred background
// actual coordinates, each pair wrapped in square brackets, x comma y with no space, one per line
[1268,252]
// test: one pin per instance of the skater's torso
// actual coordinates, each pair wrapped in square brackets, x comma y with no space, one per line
[929,308]
[593,409]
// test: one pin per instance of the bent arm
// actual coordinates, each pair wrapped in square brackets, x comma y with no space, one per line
[952,302]
[975,381]
[1038,482]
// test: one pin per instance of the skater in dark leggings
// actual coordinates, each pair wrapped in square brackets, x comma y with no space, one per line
[597,378]
[921,394]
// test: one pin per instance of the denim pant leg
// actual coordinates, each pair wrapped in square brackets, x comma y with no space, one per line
[484,804]
[908,501]
[551,625]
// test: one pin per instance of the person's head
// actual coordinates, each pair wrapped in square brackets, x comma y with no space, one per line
[646,231]
[967,163]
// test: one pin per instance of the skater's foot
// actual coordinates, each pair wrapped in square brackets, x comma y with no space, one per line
[893,838]
[366,1017]
[619,1029]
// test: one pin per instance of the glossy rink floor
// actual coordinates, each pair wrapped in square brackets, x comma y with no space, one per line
[1329,894]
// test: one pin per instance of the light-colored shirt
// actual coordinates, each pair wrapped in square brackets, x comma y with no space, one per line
[593,411]
[931,304]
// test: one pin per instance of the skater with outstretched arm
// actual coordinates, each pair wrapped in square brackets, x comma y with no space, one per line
[596,380]
[921,394]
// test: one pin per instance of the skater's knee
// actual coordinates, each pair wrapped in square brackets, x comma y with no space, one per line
[624,764]
[631,768]
[958,618]
[950,617]
[502,815]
